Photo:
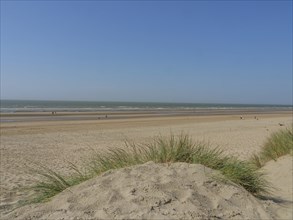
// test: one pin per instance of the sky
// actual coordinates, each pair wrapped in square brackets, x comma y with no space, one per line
[150,51]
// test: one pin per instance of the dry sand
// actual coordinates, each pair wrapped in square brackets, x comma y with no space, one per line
[280,174]
[151,191]
[54,142]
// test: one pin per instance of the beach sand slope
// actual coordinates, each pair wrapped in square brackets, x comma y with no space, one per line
[280,175]
[150,191]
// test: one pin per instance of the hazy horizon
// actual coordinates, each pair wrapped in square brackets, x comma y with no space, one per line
[154,102]
[168,51]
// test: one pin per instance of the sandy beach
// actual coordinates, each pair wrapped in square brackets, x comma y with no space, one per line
[147,109]
[39,138]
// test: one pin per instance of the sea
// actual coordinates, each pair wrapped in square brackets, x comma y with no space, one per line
[14,106]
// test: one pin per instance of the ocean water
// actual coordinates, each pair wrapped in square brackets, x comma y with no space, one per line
[10,106]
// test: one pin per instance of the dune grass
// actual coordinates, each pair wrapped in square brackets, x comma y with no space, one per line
[160,150]
[278,144]
[51,183]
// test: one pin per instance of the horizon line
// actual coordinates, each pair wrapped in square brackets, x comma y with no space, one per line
[155,102]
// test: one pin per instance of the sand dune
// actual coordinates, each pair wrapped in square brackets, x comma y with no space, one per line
[150,191]
[167,191]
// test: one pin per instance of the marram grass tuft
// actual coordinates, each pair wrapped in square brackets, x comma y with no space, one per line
[160,150]
[278,144]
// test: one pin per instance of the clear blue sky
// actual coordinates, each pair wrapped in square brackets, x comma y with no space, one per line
[167,51]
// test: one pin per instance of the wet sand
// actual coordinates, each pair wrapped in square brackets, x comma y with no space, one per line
[110,115]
